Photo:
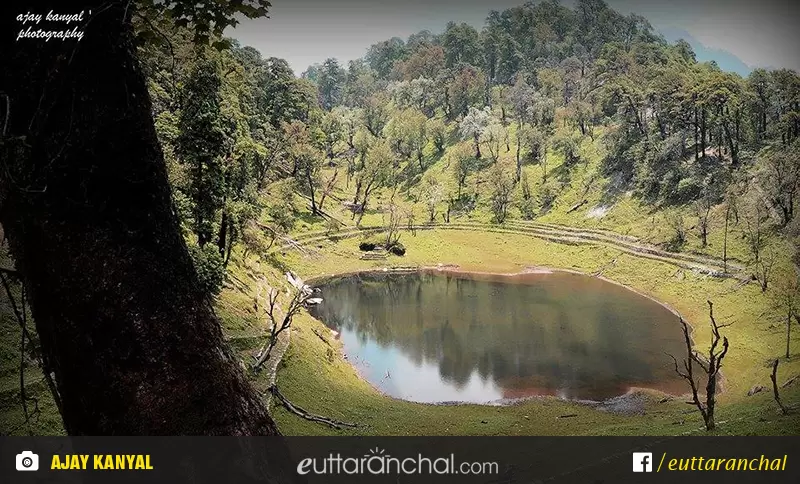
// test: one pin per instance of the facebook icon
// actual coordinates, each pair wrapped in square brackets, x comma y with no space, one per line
[642,462]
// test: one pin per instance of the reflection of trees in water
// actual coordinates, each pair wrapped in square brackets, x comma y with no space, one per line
[563,333]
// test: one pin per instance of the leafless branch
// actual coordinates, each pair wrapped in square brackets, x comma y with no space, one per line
[300,293]
[711,367]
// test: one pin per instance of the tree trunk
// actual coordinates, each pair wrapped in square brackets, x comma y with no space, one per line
[696,141]
[311,189]
[229,250]
[788,333]
[87,209]
[774,377]
[222,238]
[703,133]
[725,239]
[544,164]
[519,153]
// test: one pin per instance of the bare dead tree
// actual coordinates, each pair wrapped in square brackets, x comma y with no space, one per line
[725,238]
[756,228]
[410,223]
[393,226]
[763,267]
[711,367]
[300,293]
[702,210]
[774,378]
[327,190]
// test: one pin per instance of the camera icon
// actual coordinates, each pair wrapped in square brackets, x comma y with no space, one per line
[27,461]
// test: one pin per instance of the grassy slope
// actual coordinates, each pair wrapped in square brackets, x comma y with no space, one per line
[322,381]
[315,375]
[311,379]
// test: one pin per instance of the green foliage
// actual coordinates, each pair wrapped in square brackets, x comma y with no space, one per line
[461,45]
[527,202]
[382,56]
[376,115]
[462,163]
[207,20]
[569,146]
[407,131]
[502,184]
[282,211]
[677,223]
[546,195]
[203,141]
[330,79]
[332,226]
[438,132]
[210,267]
[553,78]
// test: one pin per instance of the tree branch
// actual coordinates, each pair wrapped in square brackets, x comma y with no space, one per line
[337,424]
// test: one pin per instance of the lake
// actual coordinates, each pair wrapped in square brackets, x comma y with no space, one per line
[436,336]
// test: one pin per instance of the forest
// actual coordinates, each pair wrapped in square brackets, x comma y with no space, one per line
[517,143]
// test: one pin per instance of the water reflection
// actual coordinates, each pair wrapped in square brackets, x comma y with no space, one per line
[433,337]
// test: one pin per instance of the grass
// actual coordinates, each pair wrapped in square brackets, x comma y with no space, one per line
[331,386]
[316,376]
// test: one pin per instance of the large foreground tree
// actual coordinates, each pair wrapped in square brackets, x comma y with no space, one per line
[125,327]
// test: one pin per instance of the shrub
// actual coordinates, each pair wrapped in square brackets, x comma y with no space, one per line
[689,188]
[371,243]
[527,207]
[547,196]
[677,223]
[332,226]
[209,266]
[398,249]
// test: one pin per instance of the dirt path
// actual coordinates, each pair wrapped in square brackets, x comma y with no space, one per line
[560,234]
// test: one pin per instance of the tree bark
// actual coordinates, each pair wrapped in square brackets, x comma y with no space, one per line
[788,333]
[222,236]
[703,133]
[87,209]
[774,377]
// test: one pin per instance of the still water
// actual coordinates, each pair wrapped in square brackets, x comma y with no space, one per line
[437,336]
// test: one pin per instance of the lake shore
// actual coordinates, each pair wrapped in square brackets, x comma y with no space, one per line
[315,375]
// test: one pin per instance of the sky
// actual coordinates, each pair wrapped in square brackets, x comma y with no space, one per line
[760,33]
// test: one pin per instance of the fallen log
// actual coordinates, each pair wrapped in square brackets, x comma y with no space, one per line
[578,205]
